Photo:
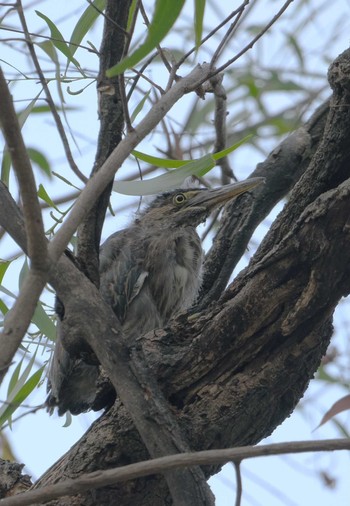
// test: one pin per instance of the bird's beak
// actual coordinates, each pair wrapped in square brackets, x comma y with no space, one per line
[219,196]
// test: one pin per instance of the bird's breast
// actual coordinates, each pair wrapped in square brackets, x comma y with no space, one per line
[176,277]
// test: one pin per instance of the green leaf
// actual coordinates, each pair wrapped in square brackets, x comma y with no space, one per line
[3,268]
[139,107]
[48,48]
[165,163]
[40,160]
[44,323]
[16,390]
[14,378]
[21,396]
[85,22]
[198,20]
[3,308]
[165,14]
[169,163]
[227,151]
[58,40]
[43,195]
[7,292]
[132,13]
[171,179]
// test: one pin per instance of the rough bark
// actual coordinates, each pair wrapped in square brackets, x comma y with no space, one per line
[236,369]
[12,481]
[111,126]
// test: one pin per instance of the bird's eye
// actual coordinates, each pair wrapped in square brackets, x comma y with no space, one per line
[179,198]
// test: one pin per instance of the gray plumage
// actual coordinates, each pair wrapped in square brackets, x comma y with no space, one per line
[149,272]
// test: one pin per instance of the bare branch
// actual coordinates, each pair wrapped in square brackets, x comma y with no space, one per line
[254,40]
[171,462]
[18,319]
[37,246]
[220,127]
[216,29]
[237,466]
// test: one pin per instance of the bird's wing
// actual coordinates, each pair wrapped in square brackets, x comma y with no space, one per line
[122,275]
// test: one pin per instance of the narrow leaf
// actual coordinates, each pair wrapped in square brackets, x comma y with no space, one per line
[165,163]
[168,163]
[165,14]
[171,179]
[339,406]
[21,396]
[40,160]
[132,13]
[198,20]
[44,323]
[42,193]
[227,151]
[57,39]
[139,107]
[3,268]
[3,308]
[85,22]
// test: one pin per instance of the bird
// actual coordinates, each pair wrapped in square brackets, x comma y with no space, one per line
[149,272]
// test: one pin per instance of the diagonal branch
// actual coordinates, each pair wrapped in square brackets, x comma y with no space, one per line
[18,319]
[130,472]
[106,173]
[282,169]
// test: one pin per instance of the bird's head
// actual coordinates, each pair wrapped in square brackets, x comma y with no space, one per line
[193,206]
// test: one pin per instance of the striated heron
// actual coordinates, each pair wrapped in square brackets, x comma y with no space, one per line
[148,273]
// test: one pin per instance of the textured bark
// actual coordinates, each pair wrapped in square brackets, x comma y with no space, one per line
[111,127]
[12,481]
[235,370]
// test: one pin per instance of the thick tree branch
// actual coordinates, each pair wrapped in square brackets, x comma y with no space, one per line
[237,369]
[282,169]
[18,319]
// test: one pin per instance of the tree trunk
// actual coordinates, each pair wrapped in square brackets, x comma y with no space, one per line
[235,369]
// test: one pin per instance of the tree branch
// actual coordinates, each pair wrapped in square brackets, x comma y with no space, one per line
[105,174]
[18,319]
[130,472]
[111,118]
[282,169]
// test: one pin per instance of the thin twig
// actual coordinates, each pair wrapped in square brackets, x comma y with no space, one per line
[49,98]
[220,127]
[213,32]
[237,466]
[47,37]
[140,73]
[226,39]
[171,462]
[254,40]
